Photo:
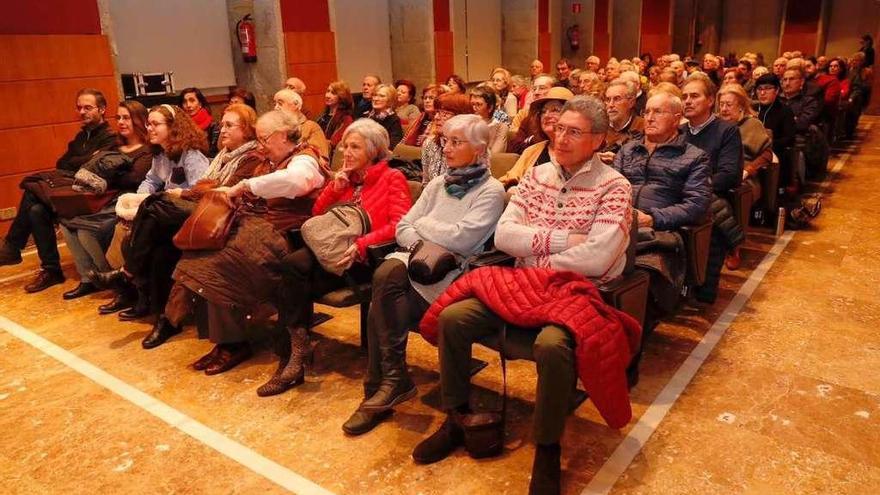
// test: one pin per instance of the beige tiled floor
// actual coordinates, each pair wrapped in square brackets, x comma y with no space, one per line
[794,378]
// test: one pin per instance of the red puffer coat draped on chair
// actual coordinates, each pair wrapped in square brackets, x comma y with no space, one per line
[605,338]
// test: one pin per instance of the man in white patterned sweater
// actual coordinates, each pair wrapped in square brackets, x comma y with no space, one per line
[572,213]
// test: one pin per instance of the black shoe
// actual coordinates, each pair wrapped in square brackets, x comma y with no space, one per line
[390,394]
[162,331]
[9,255]
[361,422]
[44,280]
[122,301]
[546,471]
[443,442]
[140,309]
[114,279]
[83,289]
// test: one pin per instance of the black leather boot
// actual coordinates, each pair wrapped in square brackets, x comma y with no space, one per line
[114,279]
[546,471]
[124,299]
[9,255]
[162,331]
[443,442]
[140,309]
[396,385]
[82,289]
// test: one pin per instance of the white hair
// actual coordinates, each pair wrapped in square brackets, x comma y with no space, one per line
[475,131]
[375,136]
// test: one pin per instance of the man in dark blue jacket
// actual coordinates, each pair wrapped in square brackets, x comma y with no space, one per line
[671,189]
[722,142]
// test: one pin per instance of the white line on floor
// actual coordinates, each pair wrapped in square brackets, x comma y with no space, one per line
[230,448]
[626,451]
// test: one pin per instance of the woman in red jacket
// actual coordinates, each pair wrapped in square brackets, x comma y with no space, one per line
[366,180]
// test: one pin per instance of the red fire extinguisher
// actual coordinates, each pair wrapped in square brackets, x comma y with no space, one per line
[246,38]
[574,37]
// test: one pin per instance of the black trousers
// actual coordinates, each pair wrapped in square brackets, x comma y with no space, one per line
[35,218]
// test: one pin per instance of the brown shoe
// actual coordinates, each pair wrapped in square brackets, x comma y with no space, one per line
[732,261]
[206,360]
[44,280]
[229,356]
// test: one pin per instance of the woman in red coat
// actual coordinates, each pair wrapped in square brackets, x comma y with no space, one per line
[366,180]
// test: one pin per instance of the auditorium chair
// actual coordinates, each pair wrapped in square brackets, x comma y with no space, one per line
[501,163]
[696,244]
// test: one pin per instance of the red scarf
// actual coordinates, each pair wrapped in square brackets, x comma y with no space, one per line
[202,118]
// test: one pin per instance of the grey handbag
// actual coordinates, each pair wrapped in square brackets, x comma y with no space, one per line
[331,234]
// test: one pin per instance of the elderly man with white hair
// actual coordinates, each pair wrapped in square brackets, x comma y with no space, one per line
[291,102]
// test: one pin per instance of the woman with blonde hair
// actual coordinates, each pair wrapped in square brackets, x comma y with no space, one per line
[384,100]
[500,81]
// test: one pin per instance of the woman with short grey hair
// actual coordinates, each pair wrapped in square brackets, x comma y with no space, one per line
[382,192]
[458,211]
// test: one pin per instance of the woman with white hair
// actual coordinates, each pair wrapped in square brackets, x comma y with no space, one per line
[291,102]
[458,211]
[229,284]
[367,180]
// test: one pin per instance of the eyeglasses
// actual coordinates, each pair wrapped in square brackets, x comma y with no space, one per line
[554,110]
[155,124]
[265,140]
[228,125]
[454,142]
[86,108]
[614,100]
[572,132]
[123,118]
[763,89]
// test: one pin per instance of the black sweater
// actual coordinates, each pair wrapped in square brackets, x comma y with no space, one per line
[722,142]
[778,119]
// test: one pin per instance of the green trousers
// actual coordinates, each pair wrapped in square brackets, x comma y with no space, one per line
[465,322]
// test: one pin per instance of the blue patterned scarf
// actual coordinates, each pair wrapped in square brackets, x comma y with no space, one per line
[460,180]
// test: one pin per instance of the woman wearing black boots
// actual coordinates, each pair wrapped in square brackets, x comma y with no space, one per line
[458,211]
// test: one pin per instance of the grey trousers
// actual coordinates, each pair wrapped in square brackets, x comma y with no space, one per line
[87,250]
[465,322]
[219,324]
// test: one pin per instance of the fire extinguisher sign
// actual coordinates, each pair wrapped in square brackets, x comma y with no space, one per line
[575,7]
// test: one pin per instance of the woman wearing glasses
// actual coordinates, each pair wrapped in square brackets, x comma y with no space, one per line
[225,287]
[143,282]
[88,236]
[536,146]
[457,210]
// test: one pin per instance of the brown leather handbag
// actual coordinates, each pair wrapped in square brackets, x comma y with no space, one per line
[429,262]
[208,227]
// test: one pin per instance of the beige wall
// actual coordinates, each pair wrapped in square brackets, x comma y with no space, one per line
[625,28]
[519,42]
[267,75]
[752,26]
[848,21]
[412,41]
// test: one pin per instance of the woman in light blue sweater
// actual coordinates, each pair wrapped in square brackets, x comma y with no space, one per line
[458,211]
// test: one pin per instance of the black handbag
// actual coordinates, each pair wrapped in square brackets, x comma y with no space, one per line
[429,262]
[484,431]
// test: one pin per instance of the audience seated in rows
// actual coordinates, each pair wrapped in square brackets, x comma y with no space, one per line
[447,106]
[384,99]
[423,125]
[405,106]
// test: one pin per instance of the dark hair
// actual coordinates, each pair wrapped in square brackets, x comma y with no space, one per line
[410,86]
[459,81]
[245,95]
[813,59]
[747,63]
[868,39]
[844,68]
[99,96]
[183,133]
[199,96]
[487,94]
[138,114]
[650,60]
[564,60]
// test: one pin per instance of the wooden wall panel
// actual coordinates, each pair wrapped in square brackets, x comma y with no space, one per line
[656,32]
[50,17]
[31,148]
[602,30]
[48,101]
[801,26]
[305,15]
[444,55]
[310,47]
[30,57]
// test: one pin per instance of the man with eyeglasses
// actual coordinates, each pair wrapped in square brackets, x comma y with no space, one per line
[38,219]
[806,108]
[572,213]
[778,120]
[623,123]
[671,189]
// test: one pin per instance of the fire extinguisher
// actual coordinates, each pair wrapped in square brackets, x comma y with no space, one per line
[246,38]
[574,37]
